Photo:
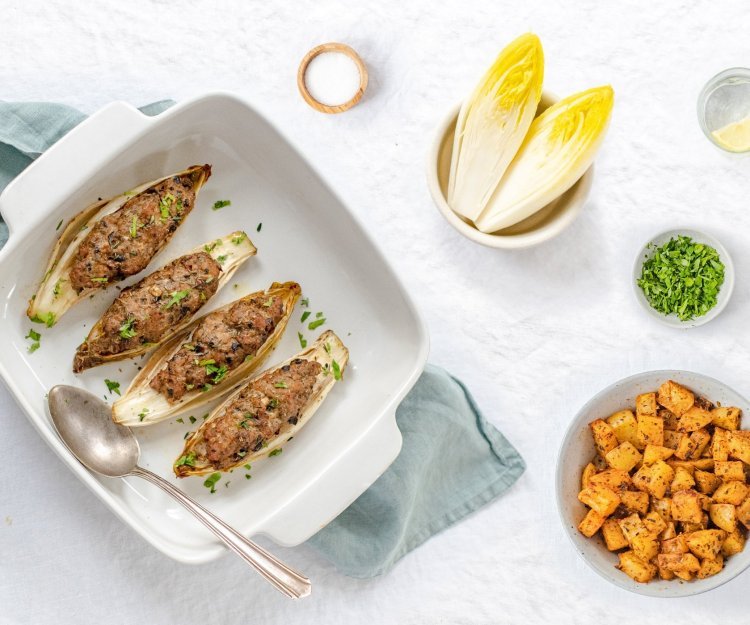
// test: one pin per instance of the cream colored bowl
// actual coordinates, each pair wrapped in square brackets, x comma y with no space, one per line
[539,227]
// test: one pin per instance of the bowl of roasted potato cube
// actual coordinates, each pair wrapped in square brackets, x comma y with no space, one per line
[653,483]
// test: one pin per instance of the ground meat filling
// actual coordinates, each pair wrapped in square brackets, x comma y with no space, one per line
[146,311]
[124,242]
[266,408]
[222,341]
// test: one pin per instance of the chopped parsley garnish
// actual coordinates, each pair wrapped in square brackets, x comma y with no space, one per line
[211,480]
[208,361]
[248,476]
[268,303]
[336,370]
[280,384]
[187,460]
[248,466]
[126,329]
[273,403]
[304,302]
[682,277]
[318,315]
[260,225]
[165,203]
[206,387]
[210,247]
[239,238]
[192,419]
[205,416]
[59,223]
[327,347]
[221,259]
[216,373]
[176,297]
[34,336]
[134,227]
[305,315]
[221,204]
[180,420]
[102,280]
[112,386]
[248,358]
[275,452]
[186,435]
[316,324]
[56,289]
[302,340]
[142,415]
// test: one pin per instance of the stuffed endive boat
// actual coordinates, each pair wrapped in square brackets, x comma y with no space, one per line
[113,239]
[266,412]
[153,310]
[209,357]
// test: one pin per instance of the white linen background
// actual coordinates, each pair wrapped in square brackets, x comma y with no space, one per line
[534,333]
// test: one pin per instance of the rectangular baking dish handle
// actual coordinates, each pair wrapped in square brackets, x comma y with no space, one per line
[57,173]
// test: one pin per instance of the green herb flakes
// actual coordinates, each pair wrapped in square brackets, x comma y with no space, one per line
[221,259]
[316,324]
[187,460]
[260,225]
[239,238]
[134,227]
[176,297]
[192,419]
[682,277]
[305,315]
[142,414]
[180,420]
[336,370]
[165,203]
[221,204]
[275,452]
[304,302]
[35,337]
[280,384]
[211,480]
[302,340]
[101,280]
[126,329]
[59,223]
[112,386]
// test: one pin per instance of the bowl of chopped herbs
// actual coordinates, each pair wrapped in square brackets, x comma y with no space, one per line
[683,278]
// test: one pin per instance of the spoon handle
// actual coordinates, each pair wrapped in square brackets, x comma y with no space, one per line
[278,574]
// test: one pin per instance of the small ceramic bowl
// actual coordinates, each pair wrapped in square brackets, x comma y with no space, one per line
[725,292]
[543,225]
[577,450]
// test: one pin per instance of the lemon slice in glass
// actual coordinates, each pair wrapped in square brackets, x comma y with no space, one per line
[734,137]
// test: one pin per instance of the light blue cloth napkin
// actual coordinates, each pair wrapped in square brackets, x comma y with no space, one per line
[452,461]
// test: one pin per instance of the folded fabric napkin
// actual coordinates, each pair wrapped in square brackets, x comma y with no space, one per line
[452,461]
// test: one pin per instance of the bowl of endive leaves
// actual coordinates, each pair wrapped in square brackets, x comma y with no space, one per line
[512,165]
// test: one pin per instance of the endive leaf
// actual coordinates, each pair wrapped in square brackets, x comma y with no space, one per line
[559,148]
[492,123]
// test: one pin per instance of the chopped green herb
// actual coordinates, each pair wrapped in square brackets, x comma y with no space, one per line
[208,361]
[205,416]
[56,289]
[126,329]
[260,225]
[112,386]
[318,315]
[248,358]
[102,280]
[304,302]
[189,387]
[239,238]
[248,466]
[206,387]
[186,435]
[134,227]
[210,247]
[192,419]
[305,315]
[327,347]
[273,403]
[220,374]
[275,452]
[316,324]
[165,203]
[336,370]
[280,384]
[248,476]
[33,335]
[142,414]
[268,303]
[180,420]
[302,340]
[176,297]
[188,460]
[59,223]
[221,259]
[221,204]
[211,480]
[682,277]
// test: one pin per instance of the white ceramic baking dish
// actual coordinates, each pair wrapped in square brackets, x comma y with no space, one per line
[308,235]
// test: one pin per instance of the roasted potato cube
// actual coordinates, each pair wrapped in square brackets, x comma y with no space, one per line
[739,446]
[635,501]
[694,419]
[624,457]
[730,470]
[670,419]
[614,479]
[692,446]
[588,471]
[679,562]
[682,480]
[706,482]
[624,425]
[652,453]
[654,523]
[600,498]
[734,543]
[710,567]
[604,437]
[678,544]
[686,527]
[726,417]
[675,397]
[641,540]
[663,507]
[665,574]
[670,531]
[654,479]
[632,526]
[646,404]
[672,439]
[705,543]
[743,513]
[723,515]
[731,492]
[720,445]
[591,523]
[613,536]
[650,430]
[634,567]
[686,506]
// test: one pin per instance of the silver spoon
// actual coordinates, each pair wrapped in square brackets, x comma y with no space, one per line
[85,425]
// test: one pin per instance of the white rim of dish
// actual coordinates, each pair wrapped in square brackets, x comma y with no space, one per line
[725,292]
[580,192]
[691,588]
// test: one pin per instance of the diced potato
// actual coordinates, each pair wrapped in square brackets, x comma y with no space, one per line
[720,445]
[678,544]
[739,446]
[743,513]
[726,417]
[672,439]
[624,457]
[645,546]
[652,453]
[723,515]
[591,523]
[685,464]
[604,436]
[588,471]
[669,532]
[682,480]
[654,479]
[600,498]
[734,543]
[684,575]
[624,425]
[654,523]
[635,501]
[665,574]
[731,492]
[679,562]
[706,543]
[663,507]
[613,536]
[650,430]
[706,482]
[691,447]
[686,506]
[694,419]
[614,479]
[632,526]
[645,404]
[710,567]
[634,567]
[670,419]
[730,470]
[685,527]
[675,397]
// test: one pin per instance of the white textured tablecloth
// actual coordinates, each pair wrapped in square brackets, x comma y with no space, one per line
[533,333]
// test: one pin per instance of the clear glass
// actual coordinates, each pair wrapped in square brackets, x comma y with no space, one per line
[724,100]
